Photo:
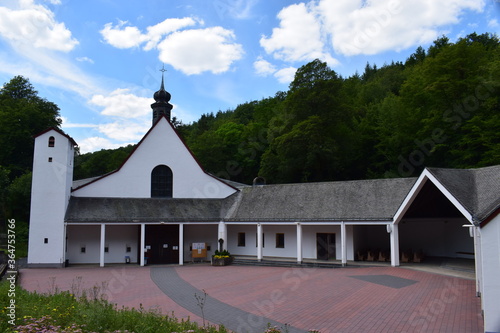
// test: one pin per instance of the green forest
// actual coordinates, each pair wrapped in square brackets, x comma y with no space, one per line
[439,108]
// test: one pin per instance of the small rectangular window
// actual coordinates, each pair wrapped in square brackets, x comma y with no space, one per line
[106,249]
[50,159]
[241,239]
[280,241]
[45,240]
[128,249]
[83,249]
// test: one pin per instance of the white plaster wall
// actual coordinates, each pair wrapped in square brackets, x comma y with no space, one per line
[51,184]
[440,238]
[490,248]
[117,239]
[161,146]
[309,250]
[196,233]
[83,235]
[309,242]
[250,239]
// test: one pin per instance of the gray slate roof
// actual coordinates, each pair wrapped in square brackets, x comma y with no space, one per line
[82,209]
[366,200]
[477,190]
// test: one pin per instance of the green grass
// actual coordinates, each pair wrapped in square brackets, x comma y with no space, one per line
[65,312]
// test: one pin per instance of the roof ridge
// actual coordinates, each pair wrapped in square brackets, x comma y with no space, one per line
[335,181]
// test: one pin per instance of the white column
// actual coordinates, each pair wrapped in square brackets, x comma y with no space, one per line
[223,235]
[65,245]
[394,228]
[103,244]
[143,243]
[476,233]
[181,243]
[343,243]
[299,243]
[259,242]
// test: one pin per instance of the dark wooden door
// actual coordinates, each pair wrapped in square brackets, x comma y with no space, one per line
[325,246]
[162,242]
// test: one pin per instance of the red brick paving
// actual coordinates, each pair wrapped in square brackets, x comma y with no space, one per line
[128,286]
[328,300]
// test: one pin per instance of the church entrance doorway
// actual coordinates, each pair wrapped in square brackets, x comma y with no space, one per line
[162,244]
[325,246]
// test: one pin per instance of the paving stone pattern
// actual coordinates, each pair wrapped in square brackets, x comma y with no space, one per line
[183,293]
[386,299]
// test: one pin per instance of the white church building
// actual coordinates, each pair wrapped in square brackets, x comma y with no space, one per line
[160,203]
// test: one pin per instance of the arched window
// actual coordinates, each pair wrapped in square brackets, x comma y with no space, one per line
[52,141]
[161,182]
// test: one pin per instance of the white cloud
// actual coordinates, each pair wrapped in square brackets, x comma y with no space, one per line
[359,27]
[238,9]
[122,38]
[198,50]
[125,130]
[299,36]
[191,51]
[285,75]
[67,124]
[354,27]
[85,59]
[97,143]
[493,23]
[156,32]
[122,103]
[263,67]
[35,26]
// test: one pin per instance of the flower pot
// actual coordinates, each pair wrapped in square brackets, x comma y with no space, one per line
[222,261]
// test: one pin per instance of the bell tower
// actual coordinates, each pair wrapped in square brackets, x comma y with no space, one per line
[162,98]
[50,192]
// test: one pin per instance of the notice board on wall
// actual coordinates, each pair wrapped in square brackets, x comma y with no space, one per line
[199,250]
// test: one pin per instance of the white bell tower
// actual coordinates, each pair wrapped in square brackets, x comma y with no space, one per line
[50,193]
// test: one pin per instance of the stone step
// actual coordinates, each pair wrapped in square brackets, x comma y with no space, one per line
[283,263]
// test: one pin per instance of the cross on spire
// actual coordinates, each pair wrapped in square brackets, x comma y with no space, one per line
[161,105]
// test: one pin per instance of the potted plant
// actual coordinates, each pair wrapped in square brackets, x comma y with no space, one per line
[221,258]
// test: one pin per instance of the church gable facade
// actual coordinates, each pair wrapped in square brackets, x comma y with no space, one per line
[160,166]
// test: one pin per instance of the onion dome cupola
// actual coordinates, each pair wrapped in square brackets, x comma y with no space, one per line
[161,105]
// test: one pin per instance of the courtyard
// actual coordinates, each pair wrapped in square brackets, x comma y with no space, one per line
[247,298]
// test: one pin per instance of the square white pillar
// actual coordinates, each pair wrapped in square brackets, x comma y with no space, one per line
[394,230]
[299,243]
[259,242]
[143,243]
[181,243]
[343,243]
[102,246]
[222,235]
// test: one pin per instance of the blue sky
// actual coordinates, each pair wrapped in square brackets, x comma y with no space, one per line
[99,60]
